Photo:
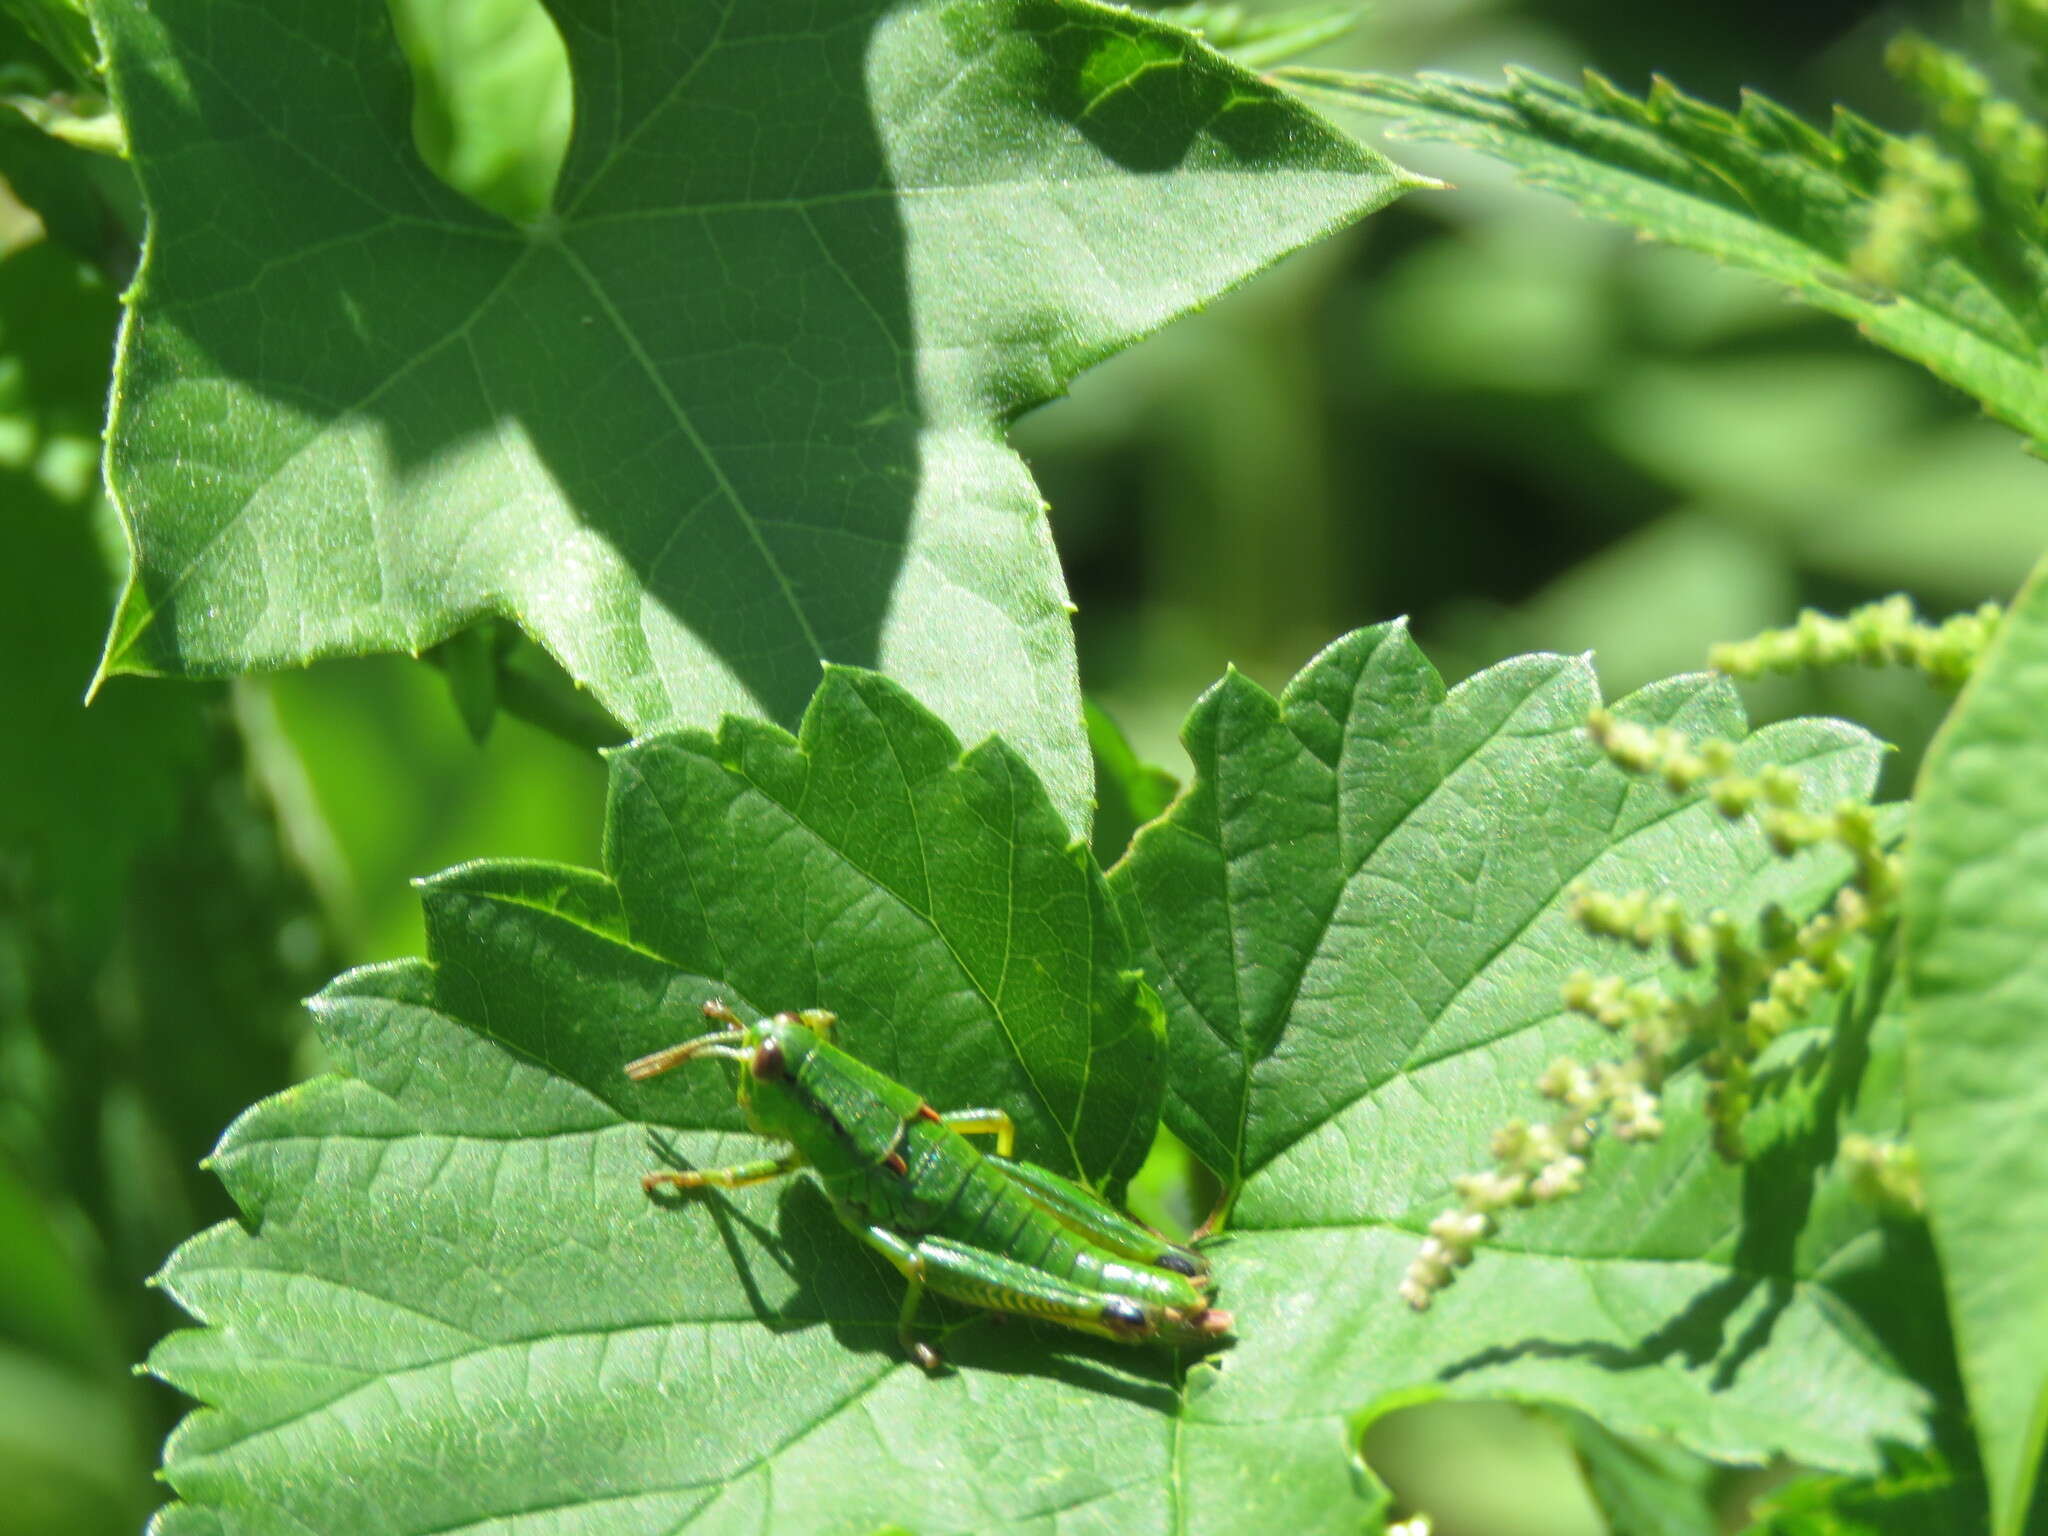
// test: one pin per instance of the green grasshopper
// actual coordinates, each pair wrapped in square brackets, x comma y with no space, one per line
[991,1231]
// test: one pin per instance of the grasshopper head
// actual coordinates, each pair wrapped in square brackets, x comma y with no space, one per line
[770,1054]
[774,1055]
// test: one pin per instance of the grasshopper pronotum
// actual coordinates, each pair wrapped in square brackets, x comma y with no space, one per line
[987,1230]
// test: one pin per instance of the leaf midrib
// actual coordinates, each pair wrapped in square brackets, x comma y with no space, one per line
[1416,1061]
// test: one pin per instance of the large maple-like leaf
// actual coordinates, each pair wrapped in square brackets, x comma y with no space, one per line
[454,1309]
[1358,918]
[734,406]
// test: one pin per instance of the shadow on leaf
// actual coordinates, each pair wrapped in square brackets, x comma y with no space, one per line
[840,1284]
[1792,1133]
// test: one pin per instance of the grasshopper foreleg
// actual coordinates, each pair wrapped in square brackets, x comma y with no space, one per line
[909,1262]
[738,1176]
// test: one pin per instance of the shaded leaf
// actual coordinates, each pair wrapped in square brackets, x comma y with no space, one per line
[1915,1494]
[61,28]
[1261,39]
[469,661]
[1128,790]
[733,405]
[1643,1487]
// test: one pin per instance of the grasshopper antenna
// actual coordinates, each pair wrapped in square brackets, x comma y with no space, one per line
[722,1043]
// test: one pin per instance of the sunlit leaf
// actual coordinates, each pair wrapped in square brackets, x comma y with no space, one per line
[1977,968]
[730,407]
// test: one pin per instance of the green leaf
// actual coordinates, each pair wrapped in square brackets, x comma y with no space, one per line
[451,1303]
[734,404]
[1917,1493]
[87,201]
[1645,1487]
[869,867]
[1129,791]
[55,149]
[1976,943]
[62,29]
[492,105]
[470,663]
[1357,920]
[452,1239]
[1756,188]
[1259,40]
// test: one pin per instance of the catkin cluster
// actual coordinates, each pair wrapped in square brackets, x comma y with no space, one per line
[1881,634]
[1983,151]
[1755,984]
[1751,982]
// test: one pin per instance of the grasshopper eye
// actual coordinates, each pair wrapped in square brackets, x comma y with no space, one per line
[768,1065]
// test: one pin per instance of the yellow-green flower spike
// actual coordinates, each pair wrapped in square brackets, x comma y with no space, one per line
[1882,634]
[1762,981]
[2003,145]
[1884,1173]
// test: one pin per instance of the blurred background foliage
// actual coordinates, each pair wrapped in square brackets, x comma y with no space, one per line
[1523,430]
